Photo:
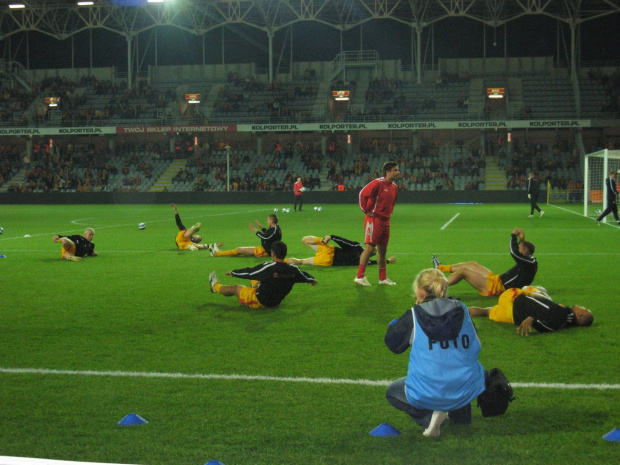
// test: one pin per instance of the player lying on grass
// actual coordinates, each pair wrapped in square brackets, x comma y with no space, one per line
[345,253]
[268,236]
[531,308]
[187,239]
[75,247]
[444,374]
[485,281]
[271,281]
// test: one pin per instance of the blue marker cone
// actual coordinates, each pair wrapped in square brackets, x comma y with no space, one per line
[384,430]
[613,435]
[132,419]
[214,462]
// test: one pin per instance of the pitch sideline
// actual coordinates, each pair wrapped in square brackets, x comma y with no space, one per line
[285,379]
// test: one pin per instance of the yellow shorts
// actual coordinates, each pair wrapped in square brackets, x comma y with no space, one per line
[260,252]
[324,255]
[247,297]
[502,312]
[494,285]
[64,251]
[182,242]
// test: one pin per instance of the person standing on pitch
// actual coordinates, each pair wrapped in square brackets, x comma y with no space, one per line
[533,189]
[377,201]
[298,189]
[611,192]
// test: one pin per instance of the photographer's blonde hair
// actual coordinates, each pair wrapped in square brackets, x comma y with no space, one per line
[432,281]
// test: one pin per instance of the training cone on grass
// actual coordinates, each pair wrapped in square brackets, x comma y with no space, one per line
[133,419]
[214,462]
[613,435]
[384,430]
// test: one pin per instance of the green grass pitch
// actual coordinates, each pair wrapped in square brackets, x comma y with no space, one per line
[136,330]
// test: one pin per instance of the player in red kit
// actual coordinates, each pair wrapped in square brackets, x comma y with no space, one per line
[377,201]
[298,189]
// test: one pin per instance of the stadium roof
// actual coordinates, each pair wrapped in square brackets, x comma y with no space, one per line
[64,18]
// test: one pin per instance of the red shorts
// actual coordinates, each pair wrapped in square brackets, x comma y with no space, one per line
[376,230]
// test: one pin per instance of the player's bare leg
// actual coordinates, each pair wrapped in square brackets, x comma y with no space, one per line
[193,230]
[479,311]
[382,264]
[299,261]
[218,288]
[368,252]
[310,241]
[67,245]
[245,251]
[381,256]
[230,290]
[472,272]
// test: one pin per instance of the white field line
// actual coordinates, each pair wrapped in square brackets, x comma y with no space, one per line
[4,460]
[448,223]
[581,214]
[284,379]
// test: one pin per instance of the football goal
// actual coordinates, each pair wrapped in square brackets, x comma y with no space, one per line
[596,168]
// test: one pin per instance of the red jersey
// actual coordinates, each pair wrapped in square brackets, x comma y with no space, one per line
[379,197]
[297,188]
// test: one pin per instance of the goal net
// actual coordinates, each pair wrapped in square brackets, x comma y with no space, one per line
[596,168]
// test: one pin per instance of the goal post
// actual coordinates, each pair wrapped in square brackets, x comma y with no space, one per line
[597,166]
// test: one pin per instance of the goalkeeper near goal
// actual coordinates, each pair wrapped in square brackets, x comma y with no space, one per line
[611,192]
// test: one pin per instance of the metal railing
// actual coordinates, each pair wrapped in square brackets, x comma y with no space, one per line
[19,71]
[352,58]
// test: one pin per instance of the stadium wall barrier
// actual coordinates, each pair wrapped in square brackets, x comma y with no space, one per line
[268,198]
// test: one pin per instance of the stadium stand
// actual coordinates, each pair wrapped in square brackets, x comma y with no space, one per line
[430,165]
[395,100]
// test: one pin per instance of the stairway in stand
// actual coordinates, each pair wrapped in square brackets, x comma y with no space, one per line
[19,179]
[326,184]
[165,180]
[495,177]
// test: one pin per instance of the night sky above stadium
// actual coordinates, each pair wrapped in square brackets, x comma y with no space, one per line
[453,38]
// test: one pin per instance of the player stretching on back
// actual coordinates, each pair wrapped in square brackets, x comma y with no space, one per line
[531,308]
[271,282]
[377,201]
[268,236]
[345,253]
[485,281]
[75,247]
[186,238]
